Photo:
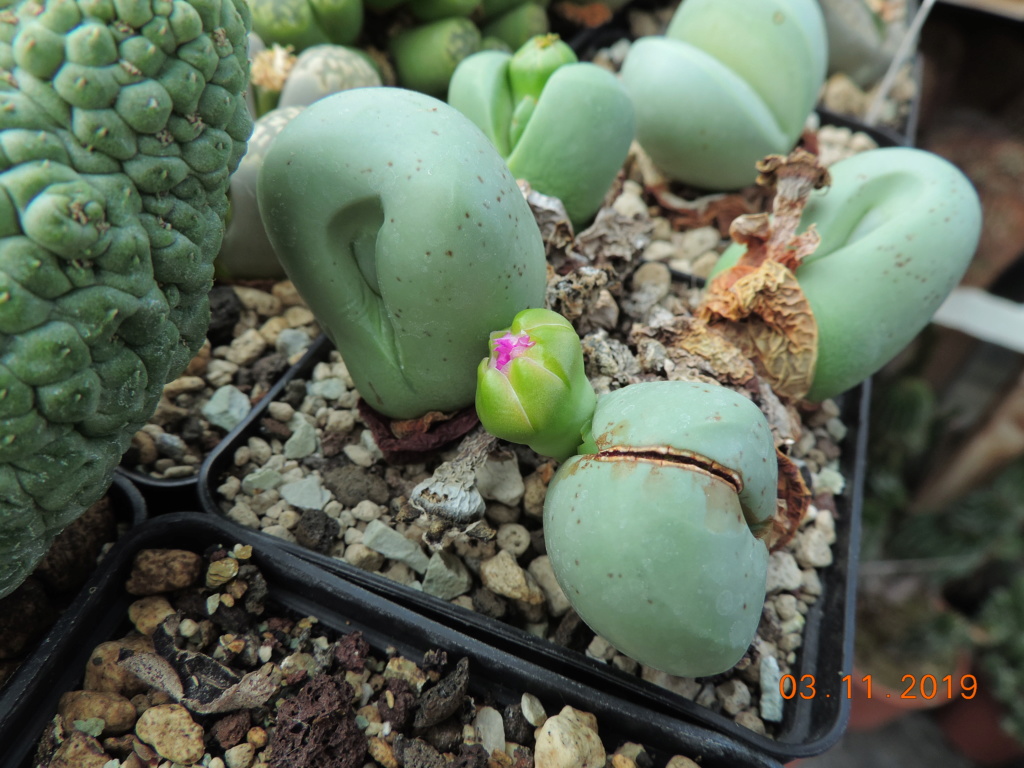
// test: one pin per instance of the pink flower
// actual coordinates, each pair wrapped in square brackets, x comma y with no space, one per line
[508,347]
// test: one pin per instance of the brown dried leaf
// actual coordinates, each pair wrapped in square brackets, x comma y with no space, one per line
[555,228]
[614,235]
[794,499]
[718,209]
[766,315]
[573,295]
[758,303]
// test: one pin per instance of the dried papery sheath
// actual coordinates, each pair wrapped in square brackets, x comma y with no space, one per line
[758,304]
[532,388]
[834,283]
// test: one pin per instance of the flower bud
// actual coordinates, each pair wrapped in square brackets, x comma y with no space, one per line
[532,388]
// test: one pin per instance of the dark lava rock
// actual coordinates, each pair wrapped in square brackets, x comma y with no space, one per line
[316,530]
[225,312]
[444,699]
[317,728]
[351,484]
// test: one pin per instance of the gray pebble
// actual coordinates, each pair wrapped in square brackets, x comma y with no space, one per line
[303,441]
[292,341]
[734,696]
[446,576]
[771,696]
[514,538]
[262,479]
[328,389]
[306,493]
[783,573]
[227,408]
[171,446]
[361,556]
[390,543]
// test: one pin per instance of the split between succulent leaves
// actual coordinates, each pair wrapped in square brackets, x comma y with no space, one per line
[408,238]
[729,82]
[562,125]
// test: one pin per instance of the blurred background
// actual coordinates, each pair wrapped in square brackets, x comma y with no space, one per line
[941,590]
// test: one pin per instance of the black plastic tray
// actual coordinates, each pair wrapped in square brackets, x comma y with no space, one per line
[809,726]
[181,494]
[296,585]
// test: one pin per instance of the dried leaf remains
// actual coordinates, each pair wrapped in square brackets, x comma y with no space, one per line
[758,303]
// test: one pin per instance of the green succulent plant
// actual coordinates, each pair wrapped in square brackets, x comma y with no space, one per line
[426,56]
[729,82]
[119,126]
[245,252]
[563,126]
[898,228]
[407,236]
[861,44]
[532,388]
[305,23]
[325,69]
[653,528]
[1001,656]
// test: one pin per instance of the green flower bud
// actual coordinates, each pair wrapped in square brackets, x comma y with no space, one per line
[532,388]
[532,66]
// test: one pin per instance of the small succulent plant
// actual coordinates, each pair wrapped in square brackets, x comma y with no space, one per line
[1002,653]
[305,23]
[325,69]
[730,82]
[407,236]
[653,529]
[897,228]
[246,252]
[426,56]
[532,388]
[861,43]
[563,126]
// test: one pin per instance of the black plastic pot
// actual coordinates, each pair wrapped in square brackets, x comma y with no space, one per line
[303,588]
[182,494]
[809,727]
[128,503]
[129,511]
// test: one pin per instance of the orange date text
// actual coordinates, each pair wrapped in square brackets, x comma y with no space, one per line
[911,687]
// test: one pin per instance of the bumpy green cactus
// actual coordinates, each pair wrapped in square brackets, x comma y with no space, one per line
[730,82]
[408,237]
[563,126]
[653,529]
[119,126]
[305,23]
[898,229]
[532,389]
[427,55]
